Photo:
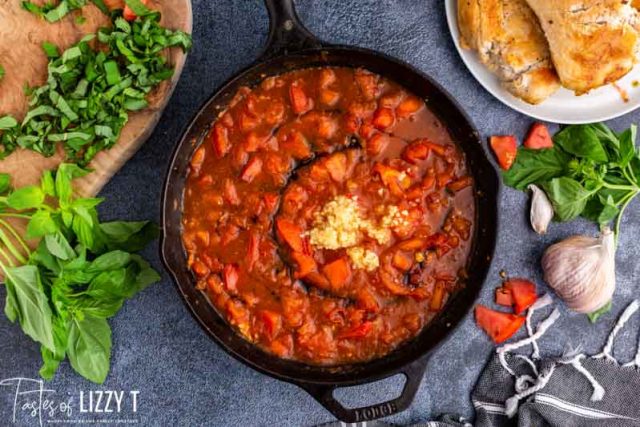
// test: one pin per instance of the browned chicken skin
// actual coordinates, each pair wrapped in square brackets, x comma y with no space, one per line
[510,42]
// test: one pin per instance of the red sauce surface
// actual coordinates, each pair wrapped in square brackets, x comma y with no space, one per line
[274,161]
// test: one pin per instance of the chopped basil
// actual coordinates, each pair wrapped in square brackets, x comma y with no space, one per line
[89,92]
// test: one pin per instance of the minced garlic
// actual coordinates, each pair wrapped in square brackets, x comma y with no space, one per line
[337,224]
[362,258]
[340,224]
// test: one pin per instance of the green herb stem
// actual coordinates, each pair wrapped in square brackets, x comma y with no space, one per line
[12,249]
[625,203]
[17,236]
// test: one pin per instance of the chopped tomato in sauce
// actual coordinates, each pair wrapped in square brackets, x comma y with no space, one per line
[328,215]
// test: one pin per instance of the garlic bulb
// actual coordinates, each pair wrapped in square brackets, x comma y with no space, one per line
[581,270]
[541,210]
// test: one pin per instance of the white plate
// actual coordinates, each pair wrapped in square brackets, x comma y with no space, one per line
[562,107]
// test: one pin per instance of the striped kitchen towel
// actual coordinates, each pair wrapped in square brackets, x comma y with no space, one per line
[574,389]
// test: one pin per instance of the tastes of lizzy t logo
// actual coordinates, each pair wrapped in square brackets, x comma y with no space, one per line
[33,403]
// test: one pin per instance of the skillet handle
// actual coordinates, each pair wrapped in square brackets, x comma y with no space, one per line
[324,394]
[286,33]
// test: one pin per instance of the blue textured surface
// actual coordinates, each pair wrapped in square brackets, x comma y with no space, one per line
[182,376]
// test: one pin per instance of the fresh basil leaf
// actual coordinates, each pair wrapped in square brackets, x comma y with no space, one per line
[41,223]
[47,184]
[43,258]
[103,308]
[581,141]
[535,166]
[26,198]
[593,317]
[89,348]
[5,182]
[11,309]
[7,122]
[627,146]
[51,359]
[138,8]
[59,246]
[32,8]
[109,261]
[30,304]
[50,50]
[83,230]
[600,209]
[102,6]
[119,283]
[567,196]
[129,236]
[2,73]
[66,173]
[146,276]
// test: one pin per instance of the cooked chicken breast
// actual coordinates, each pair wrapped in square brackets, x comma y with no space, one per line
[592,42]
[509,41]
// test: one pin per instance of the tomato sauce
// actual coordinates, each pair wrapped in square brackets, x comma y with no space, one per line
[328,215]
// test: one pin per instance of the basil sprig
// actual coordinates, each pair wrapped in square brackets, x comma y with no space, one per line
[80,275]
[591,171]
[90,91]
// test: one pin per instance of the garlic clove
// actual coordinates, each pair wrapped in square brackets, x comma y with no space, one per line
[581,270]
[541,210]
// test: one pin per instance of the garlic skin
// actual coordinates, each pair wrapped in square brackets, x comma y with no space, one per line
[581,270]
[541,210]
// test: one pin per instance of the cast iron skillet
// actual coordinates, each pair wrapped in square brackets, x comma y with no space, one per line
[291,46]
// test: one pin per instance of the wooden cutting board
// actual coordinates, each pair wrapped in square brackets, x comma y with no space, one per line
[21,55]
[21,35]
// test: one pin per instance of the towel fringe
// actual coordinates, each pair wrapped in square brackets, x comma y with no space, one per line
[624,318]
[598,390]
[540,303]
[511,404]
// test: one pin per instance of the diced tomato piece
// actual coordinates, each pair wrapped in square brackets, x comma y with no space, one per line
[231,274]
[437,299]
[220,140]
[306,264]
[498,325]
[460,184]
[253,250]
[416,151]
[199,269]
[230,193]
[248,121]
[367,82]
[318,280]
[300,103]
[337,166]
[391,100]
[290,233]
[402,261]
[198,159]
[251,170]
[523,292]
[296,144]
[410,105]
[327,77]
[539,137]
[275,113]
[254,141]
[231,233]
[326,126]
[377,143]
[329,97]
[383,118]
[338,272]
[351,123]
[504,297]
[505,149]
[129,14]
[367,301]
[359,331]
[271,321]
[270,201]
[282,346]
[392,178]
[366,129]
